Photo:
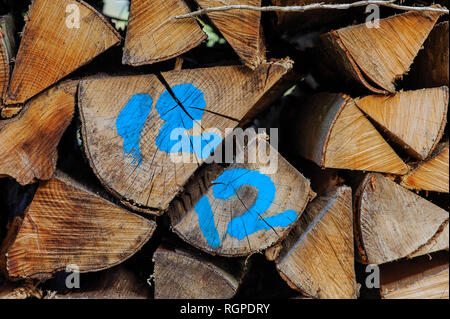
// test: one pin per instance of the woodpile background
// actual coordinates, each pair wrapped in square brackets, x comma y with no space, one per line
[88,102]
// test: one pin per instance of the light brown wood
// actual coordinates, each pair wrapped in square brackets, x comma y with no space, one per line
[430,175]
[424,277]
[183,274]
[414,119]
[250,210]
[430,68]
[331,131]
[150,39]
[7,53]
[392,222]
[28,142]
[317,257]
[230,94]
[15,290]
[67,224]
[376,57]
[241,28]
[50,50]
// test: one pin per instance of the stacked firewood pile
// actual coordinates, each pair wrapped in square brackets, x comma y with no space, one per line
[116,175]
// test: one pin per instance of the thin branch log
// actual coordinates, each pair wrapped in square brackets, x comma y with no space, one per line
[313,6]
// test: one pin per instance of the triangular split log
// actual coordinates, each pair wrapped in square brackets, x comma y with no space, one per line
[392,222]
[317,257]
[151,38]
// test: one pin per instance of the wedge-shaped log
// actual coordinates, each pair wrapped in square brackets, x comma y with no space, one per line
[418,278]
[376,57]
[128,122]
[317,257]
[51,48]
[392,222]
[67,224]
[243,209]
[332,132]
[430,68]
[241,28]
[28,141]
[7,53]
[414,119]
[150,38]
[430,175]
[184,274]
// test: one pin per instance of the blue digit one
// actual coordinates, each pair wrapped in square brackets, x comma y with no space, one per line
[225,187]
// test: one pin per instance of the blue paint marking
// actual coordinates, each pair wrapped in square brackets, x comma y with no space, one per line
[194,105]
[225,187]
[130,122]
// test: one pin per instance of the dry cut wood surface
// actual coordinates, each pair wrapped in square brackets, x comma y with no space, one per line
[242,209]
[150,39]
[424,277]
[241,28]
[430,175]
[332,132]
[50,50]
[28,142]
[180,274]
[66,224]
[128,122]
[392,222]
[376,57]
[414,119]
[317,257]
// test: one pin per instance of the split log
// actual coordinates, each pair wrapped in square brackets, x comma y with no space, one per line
[392,222]
[317,257]
[14,290]
[241,28]
[332,132]
[376,57]
[418,278]
[66,224]
[242,209]
[183,274]
[114,283]
[28,141]
[51,48]
[128,122]
[150,38]
[414,119]
[430,68]
[431,175]
[7,52]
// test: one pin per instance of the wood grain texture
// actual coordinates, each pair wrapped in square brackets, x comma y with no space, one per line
[317,257]
[392,222]
[149,39]
[7,53]
[225,96]
[241,28]
[430,175]
[241,210]
[50,50]
[376,57]
[431,68]
[424,277]
[332,132]
[28,142]
[66,224]
[181,274]
[414,119]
